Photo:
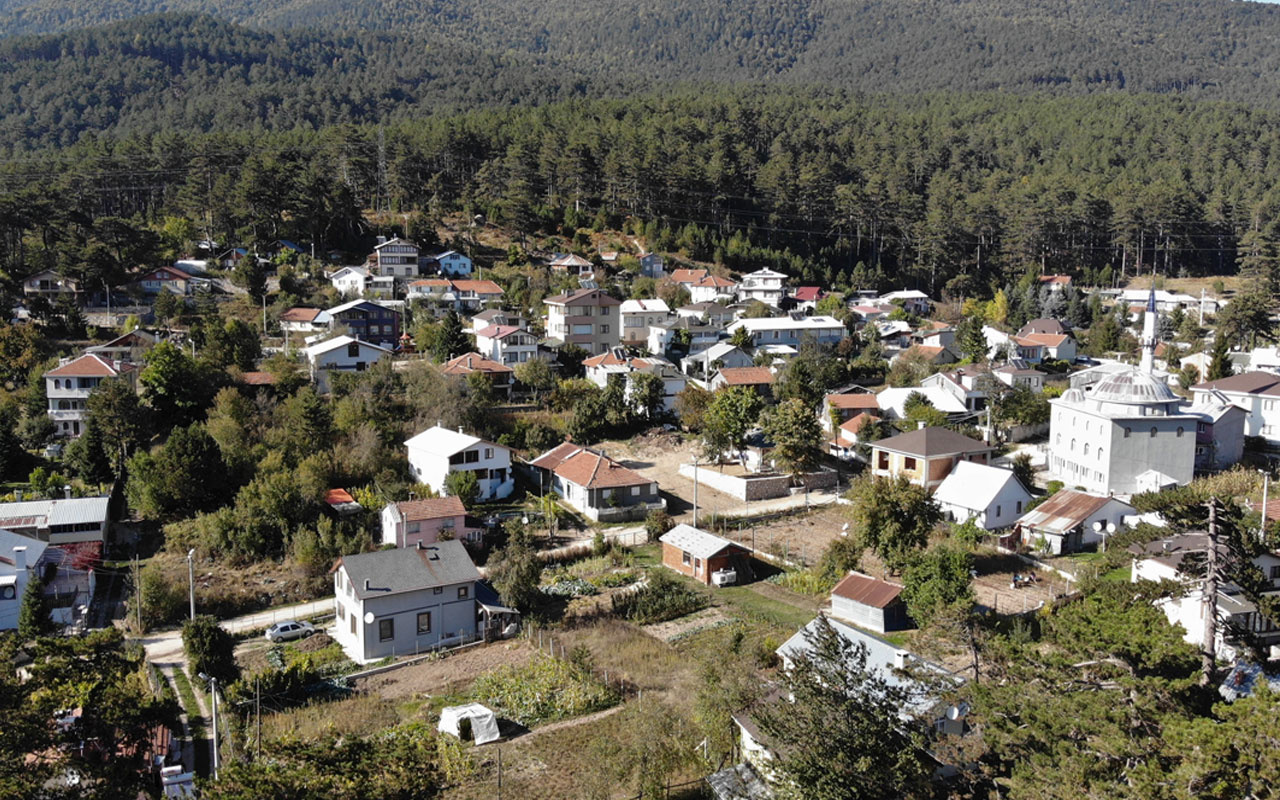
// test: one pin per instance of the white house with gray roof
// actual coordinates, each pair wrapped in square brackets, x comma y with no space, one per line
[393,602]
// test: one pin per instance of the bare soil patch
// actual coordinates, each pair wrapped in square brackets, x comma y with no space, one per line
[673,629]
[448,674]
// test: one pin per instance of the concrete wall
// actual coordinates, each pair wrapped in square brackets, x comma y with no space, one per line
[765,487]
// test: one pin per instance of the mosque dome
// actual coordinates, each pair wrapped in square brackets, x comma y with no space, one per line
[1133,387]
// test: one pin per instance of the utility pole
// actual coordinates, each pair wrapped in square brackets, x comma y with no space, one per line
[137,594]
[695,491]
[257,704]
[213,704]
[1209,601]
[191,581]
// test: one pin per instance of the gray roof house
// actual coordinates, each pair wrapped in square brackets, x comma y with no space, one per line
[393,602]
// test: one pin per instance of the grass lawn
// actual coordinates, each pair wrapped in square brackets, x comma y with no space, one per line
[752,602]
[195,722]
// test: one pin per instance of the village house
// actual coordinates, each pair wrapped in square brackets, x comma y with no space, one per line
[1054,283]
[844,442]
[587,318]
[472,295]
[666,336]
[1070,521]
[764,285]
[638,316]
[450,263]
[59,521]
[973,384]
[350,281]
[616,364]
[935,356]
[341,354]
[1219,431]
[893,401]
[501,377]
[571,264]
[912,301]
[652,265]
[128,348]
[1003,346]
[19,560]
[49,284]
[506,344]
[165,279]
[427,521]
[394,602]
[927,456]
[1255,393]
[793,330]
[304,320]
[705,557]
[758,378]
[367,321]
[804,298]
[717,315]
[69,385]
[870,603]
[438,451]
[595,485]
[495,316]
[711,288]
[394,258]
[704,364]
[688,277]
[1161,560]
[990,496]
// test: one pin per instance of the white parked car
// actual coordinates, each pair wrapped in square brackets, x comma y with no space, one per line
[291,629]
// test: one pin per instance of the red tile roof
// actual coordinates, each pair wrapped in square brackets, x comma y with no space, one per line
[552,458]
[1047,339]
[808,294]
[257,378]
[606,359]
[714,281]
[431,508]
[854,424]
[746,376]
[473,362]
[867,590]
[87,366]
[855,400]
[479,287]
[300,314]
[688,275]
[336,497]
[592,470]
[497,331]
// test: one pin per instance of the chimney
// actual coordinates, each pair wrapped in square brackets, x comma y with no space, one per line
[920,425]
[66,492]
[900,659]
[421,545]
[20,558]
[17,495]
[366,584]
[459,429]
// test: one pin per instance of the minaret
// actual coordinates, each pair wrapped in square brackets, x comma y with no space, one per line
[1147,364]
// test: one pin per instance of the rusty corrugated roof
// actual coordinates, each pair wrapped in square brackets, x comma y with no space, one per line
[867,590]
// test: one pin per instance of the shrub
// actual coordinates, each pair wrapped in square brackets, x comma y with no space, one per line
[805,581]
[543,690]
[657,523]
[661,599]
[210,649]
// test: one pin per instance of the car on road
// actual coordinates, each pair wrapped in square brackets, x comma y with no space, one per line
[289,629]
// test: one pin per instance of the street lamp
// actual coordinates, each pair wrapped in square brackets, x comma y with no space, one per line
[213,706]
[191,580]
[695,491]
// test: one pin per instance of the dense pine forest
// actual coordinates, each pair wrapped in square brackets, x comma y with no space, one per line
[113,67]
[944,193]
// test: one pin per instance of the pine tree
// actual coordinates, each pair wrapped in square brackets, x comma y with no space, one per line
[1219,364]
[33,614]
[452,340]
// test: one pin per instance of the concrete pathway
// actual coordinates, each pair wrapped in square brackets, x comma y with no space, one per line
[165,647]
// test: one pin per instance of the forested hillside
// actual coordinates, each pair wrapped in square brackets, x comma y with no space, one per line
[195,73]
[1218,48]
[941,193]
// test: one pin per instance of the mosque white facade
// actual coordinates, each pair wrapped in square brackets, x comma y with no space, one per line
[1125,434]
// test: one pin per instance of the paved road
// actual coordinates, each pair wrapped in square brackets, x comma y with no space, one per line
[165,647]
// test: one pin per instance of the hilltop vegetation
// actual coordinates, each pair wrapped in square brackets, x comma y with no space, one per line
[1217,49]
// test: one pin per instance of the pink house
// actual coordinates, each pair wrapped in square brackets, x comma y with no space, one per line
[409,522]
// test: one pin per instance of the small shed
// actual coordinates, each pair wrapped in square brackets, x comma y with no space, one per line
[702,556]
[484,723]
[870,603]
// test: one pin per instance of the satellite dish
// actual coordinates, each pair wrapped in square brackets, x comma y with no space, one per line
[1111,527]
[953,713]
[368,618]
[1097,526]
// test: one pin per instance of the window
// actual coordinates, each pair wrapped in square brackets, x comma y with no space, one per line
[908,463]
[462,592]
[604,328]
[1073,445]
[471,456]
[997,510]
[342,611]
[438,590]
[424,622]
[413,527]
[1179,433]
[1019,507]
[1126,433]
[386,630]
[1086,448]
[635,491]
[8,593]
[1275,573]
[1099,453]
[684,559]
[1153,433]
[353,624]
[353,350]
[488,452]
